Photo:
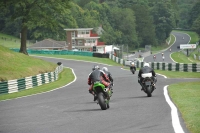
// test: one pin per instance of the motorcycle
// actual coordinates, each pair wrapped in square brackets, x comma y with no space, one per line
[103,95]
[148,84]
[132,67]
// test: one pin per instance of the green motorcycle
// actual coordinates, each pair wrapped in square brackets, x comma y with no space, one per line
[103,95]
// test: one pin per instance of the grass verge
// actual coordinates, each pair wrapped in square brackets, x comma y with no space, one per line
[177,74]
[186,97]
[182,58]
[15,65]
[65,77]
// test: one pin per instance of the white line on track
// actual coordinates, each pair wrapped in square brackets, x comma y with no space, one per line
[174,114]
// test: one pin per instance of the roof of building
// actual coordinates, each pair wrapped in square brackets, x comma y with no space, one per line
[49,43]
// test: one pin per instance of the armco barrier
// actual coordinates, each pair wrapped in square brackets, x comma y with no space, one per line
[161,65]
[16,85]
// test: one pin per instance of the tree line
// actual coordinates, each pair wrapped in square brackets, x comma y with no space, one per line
[133,22]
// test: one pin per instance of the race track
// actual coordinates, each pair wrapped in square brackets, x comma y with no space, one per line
[71,109]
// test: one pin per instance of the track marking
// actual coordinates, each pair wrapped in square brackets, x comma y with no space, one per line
[174,114]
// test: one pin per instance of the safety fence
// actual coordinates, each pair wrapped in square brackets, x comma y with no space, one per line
[17,85]
[57,52]
[161,65]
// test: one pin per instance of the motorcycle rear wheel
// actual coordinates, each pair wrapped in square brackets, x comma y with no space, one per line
[101,101]
[149,91]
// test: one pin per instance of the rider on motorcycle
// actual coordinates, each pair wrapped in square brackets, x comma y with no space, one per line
[105,69]
[146,69]
[97,75]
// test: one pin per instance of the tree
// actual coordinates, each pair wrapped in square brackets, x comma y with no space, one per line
[144,25]
[124,20]
[194,13]
[163,20]
[196,26]
[35,13]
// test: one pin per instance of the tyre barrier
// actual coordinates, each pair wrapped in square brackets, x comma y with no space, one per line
[182,67]
[17,85]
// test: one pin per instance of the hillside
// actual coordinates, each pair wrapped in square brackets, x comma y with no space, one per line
[15,65]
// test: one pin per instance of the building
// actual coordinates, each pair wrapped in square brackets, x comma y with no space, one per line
[83,39]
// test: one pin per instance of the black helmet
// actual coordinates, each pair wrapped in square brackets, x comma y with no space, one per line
[96,67]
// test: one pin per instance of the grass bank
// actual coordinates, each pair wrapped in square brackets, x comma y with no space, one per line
[11,41]
[186,97]
[15,65]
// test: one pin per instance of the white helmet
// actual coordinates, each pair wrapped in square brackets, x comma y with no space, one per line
[105,69]
[146,64]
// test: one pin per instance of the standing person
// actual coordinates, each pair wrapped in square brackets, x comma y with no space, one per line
[162,54]
[97,75]
[170,50]
[146,69]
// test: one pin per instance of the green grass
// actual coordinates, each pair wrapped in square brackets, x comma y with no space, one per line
[65,77]
[186,96]
[180,57]
[11,41]
[15,65]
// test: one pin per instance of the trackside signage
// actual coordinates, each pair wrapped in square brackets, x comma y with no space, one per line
[188,46]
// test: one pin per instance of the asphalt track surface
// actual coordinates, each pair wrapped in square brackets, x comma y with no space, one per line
[167,54]
[71,109]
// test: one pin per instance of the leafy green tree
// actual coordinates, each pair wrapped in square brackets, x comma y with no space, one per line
[144,25]
[34,13]
[194,13]
[196,26]
[124,20]
[163,20]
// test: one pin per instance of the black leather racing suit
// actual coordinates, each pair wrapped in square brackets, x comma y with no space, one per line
[146,70]
[98,75]
[109,76]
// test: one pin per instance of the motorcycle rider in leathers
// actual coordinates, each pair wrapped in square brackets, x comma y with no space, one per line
[95,76]
[105,69]
[146,69]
